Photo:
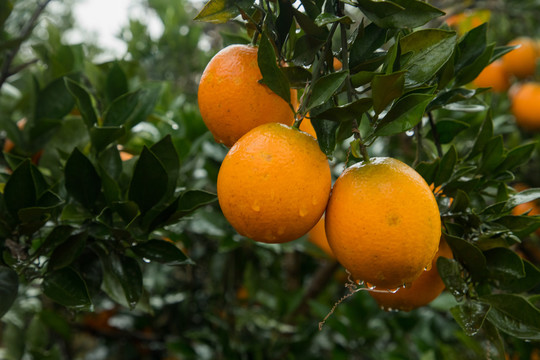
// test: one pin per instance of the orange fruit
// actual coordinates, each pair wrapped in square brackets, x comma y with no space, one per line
[526,106]
[493,76]
[337,64]
[274,183]
[421,292]
[383,223]
[231,99]
[317,235]
[521,62]
[306,126]
[468,20]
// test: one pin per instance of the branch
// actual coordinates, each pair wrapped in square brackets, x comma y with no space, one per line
[5,72]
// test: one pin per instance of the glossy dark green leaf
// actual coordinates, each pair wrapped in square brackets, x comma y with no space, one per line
[309,26]
[161,251]
[450,272]
[522,197]
[428,170]
[492,155]
[471,70]
[133,107]
[221,11]
[504,264]
[283,23]
[149,182]
[467,254]
[67,288]
[9,287]
[20,191]
[128,210]
[516,157]
[84,102]
[54,101]
[385,89]
[399,13]
[306,48]
[448,129]
[325,87]
[470,47]
[526,283]
[451,96]
[446,167]
[191,200]
[483,137]
[67,251]
[362,78]
[403,115]
[430,50]
[297,76]
[499,51]
[514,315]
[104,135]
[272,75]
[56,237]
[116,83]
[326,134]
[347,112]
[470,315]
[82,180]
[165,151]
[129,275]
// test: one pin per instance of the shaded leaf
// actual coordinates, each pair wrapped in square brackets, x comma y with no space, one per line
[133,107]
[117,82]
[82,180]
[84,102]
[450,272]
[522,197]
[9,287]
[272,75]
[516,157]
[20,191]
[492,154]
[161,251]
[149,182]
[385,89]
[398,13]
[514,315]
[469,255]
[129,275]
[470,315]
[325,87]
[446,167]
[54,101]
[67,251]
[448,129]
[404,115]
[102,136]
[221,11]
[345,112]
[66,287]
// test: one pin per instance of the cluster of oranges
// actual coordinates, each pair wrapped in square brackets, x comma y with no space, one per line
[275,185]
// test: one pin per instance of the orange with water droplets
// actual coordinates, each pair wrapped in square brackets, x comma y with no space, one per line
[274,184]
[421,292]
[383,222]
[231,99]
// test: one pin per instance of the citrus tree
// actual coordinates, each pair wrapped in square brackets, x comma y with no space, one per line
[105,165]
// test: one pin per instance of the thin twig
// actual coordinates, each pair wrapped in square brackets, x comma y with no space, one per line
[5,73]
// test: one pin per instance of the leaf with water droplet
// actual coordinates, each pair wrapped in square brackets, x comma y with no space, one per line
[470,315]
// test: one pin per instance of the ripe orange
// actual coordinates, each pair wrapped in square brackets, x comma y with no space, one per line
[526,105]
[317,235]
[383,223]
[493,76]
[468,20]
[521,62]
[421,292]
[231,99]
[274,184]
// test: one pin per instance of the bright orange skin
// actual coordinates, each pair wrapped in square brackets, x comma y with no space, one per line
[421,292]
[493,76]
[317,236]
[521,62]
[383,223]
[231,99]
[526,106]
[274,184]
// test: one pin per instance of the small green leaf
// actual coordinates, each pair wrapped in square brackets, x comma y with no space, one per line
[324,88]
[492,155]
[67,288]
[128,273]
[326,134]
[347,112]
[470,315]
[450,272]
[504,264]
[221,11]
[428,170]
[165,151]
[461,201]
[149,182]
[470,47]
[20,191]
[64,254]
[468,254]
[102,136]
[404,114]
[54,101]
[82,180]
[84,101]
[161,251]
[117,83]
[272,75]
[483,137]
[398,13]
[516,157]
[514,315]
[9,287]
[429,50]
[527,283]
[133,107]
[448,129]
[446,167]
[385,89]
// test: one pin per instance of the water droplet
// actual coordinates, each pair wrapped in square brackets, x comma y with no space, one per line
[406,285]
[393,291]
[409,133]
[370,286]
[428,268]
[256,207]
[145,260]
[174,126]
[303,211]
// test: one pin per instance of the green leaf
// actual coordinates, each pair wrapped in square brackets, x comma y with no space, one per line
[516,157]
[64,254]
[56,237]
[133,107]
[448,129]
[326,134]
[102,136]
[446,167]
[385,89]
[398,13]
[191,200]
[221,11]
[474,68]
[504,264]
[467,254]
[324,88]
[272,75]
[450,272]
[514,315]
[470,315]
[522,197]
[128,273]
[67,287]
[470,47]
[54,101]
[20,191]
[84,101]
[347,112]
[117,82]
[307,24]
[492,155]
[326,18]
[297,76]
[449,96]
[165,151]
[404,114]
[149,182]
[161,251]
[128,210]
[9,287]
[429,50]
[82,180]
[483,137]
[527,283]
